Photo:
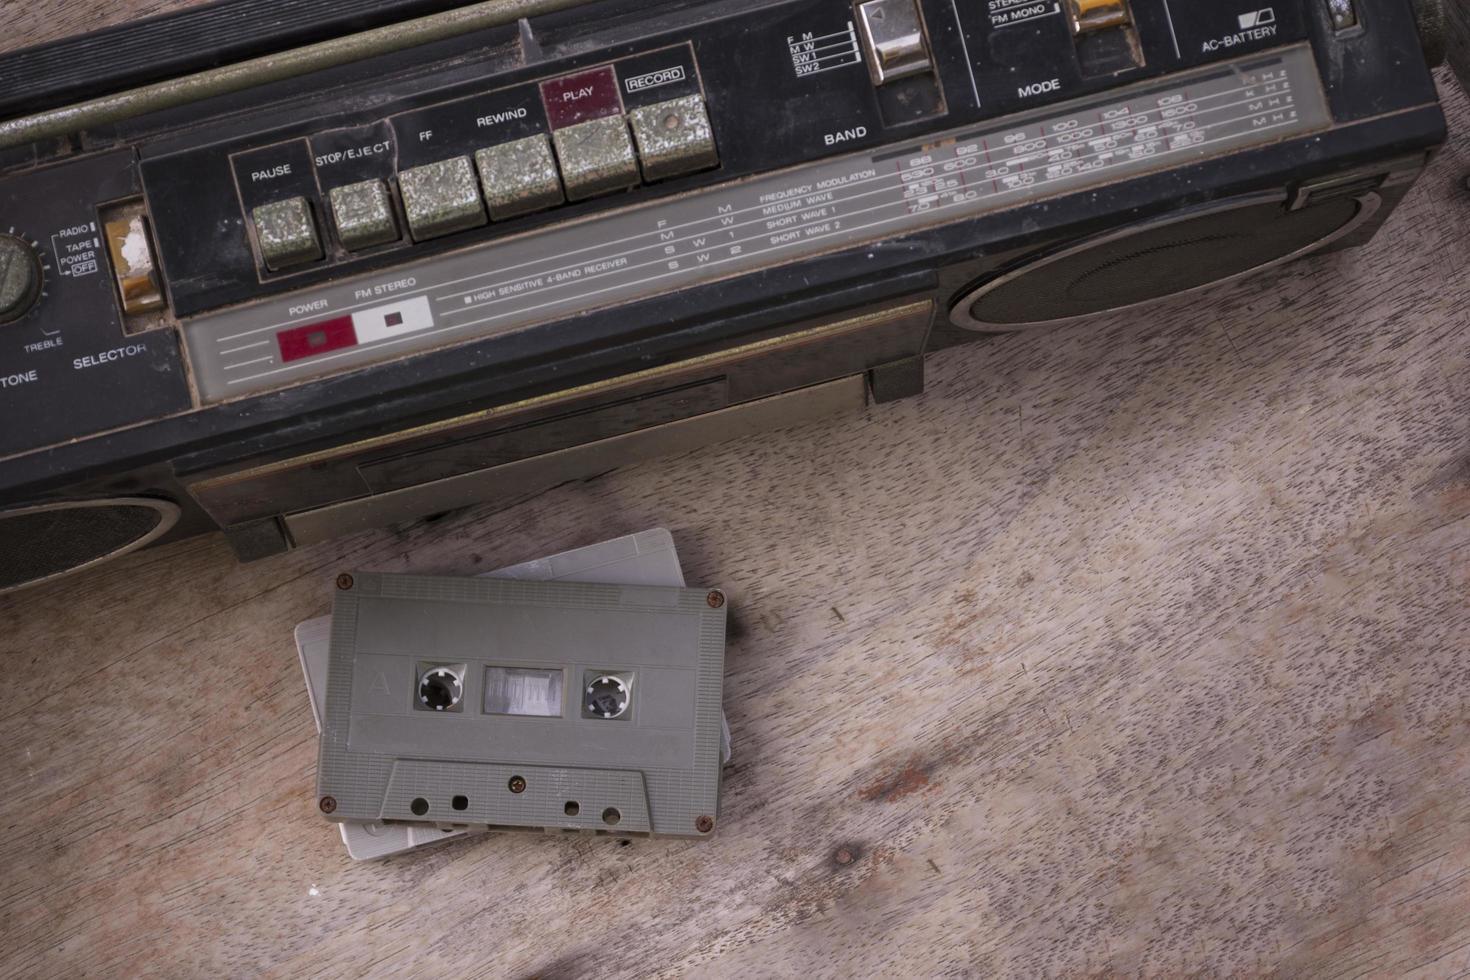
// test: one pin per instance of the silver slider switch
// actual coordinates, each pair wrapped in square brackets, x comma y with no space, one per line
[894,34]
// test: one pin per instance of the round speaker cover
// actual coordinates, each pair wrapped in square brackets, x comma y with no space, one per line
[51,540]
[1152,261]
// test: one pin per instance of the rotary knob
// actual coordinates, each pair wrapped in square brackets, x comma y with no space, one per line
[20,278]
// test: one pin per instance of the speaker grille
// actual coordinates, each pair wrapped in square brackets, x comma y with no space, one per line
[1157,261]
[44,542]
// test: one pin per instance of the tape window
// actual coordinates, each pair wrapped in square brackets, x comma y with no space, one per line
[523,691]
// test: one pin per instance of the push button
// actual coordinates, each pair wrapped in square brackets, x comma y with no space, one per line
[364,215]
[441,198]
[287,233]
[590,133]
[674,138]
[519,177]
[596,157]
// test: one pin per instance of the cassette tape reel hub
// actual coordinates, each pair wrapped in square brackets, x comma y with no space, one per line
[607,697]
[441,688]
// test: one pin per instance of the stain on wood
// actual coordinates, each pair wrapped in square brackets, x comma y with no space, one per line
[898,782]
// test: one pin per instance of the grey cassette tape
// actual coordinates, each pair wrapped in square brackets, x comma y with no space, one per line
[492,704]
[646,558]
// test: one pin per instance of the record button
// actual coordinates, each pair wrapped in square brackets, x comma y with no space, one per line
[674,137]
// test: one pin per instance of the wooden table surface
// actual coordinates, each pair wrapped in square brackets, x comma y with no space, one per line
[1135,648]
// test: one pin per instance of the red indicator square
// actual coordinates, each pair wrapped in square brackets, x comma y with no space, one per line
[316,338]
[577,98]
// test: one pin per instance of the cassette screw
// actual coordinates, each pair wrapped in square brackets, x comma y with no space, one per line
[517,784]
[344,581]
[704,824]
[716,598]
[328,804]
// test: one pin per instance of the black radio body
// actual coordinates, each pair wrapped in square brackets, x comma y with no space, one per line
[489,249]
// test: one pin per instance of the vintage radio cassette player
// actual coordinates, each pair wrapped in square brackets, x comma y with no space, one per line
[286,269]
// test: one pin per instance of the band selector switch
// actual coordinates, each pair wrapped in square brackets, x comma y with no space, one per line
[900,60]
[894,34]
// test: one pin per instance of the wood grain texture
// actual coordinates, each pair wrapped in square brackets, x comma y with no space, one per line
[1134,648]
